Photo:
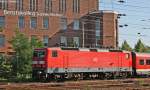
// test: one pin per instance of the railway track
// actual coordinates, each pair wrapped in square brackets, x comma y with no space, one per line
[126,84]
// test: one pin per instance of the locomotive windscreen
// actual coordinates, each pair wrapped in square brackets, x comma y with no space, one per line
[39,53]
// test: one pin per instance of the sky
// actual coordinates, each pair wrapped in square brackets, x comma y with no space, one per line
[137,18]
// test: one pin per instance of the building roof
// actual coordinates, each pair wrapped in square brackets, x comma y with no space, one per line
[103,11]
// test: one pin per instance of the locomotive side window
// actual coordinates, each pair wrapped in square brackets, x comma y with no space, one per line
[127,55]
[148,62]
[54,53]
[141,62]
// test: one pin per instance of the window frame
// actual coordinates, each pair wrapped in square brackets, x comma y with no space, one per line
[76,24]
[63,23]
[62,5]
[45,42]
[2,22]
[37,53]
[148,63]
[76,6]
[48,6]
[21,21]
[31,22]
[47,19]
[4,4]
[141,62]
[54,54]
[3,41]
[33,5]
[19,5]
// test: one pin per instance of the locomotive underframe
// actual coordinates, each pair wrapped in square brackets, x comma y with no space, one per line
[81,73]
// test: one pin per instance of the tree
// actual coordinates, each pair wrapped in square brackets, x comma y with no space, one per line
[35,43]
[5,67]
[1,29]
[23,47]
[126,46]
[140,47]
[148,49]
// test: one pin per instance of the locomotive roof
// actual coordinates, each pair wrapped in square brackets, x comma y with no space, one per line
[87,49]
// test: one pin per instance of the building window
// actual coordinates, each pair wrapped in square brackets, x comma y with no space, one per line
[63,41]
[45,22]
[147,62]
[4,4]
[21,22]
[76,6]
[2,21]
[76,24]
[76,41]
[97,32]
[33,5]
[97,24]
[62,5]
[141,62]
[63,24]
[70,42]
[33,22]
[2,40]
[45,41]
[48,5]
[19,5]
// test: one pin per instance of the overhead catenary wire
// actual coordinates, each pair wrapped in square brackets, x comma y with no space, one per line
[128,15]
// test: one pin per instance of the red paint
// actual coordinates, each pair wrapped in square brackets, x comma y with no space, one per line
[86,59]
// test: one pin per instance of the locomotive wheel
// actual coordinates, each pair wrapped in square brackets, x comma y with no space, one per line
[124,74]
[101,76]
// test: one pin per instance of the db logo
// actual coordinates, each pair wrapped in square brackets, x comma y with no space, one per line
[95,59]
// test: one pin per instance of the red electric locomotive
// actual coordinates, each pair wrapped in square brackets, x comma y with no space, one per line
[76,63]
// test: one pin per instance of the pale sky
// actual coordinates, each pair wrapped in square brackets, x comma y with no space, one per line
[137,18]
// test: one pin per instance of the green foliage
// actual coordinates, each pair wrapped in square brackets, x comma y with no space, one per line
[125,46]
[148,49]
[5,67]
[35,43]
[22,61]
[140,47]
[1,29]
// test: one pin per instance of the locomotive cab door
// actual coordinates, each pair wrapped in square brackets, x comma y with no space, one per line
[65,62]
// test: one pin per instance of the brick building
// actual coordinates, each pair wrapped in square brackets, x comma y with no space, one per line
[58,22]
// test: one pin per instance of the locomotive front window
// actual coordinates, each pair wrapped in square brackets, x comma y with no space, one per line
[39,54]
[141,62]
[54,53]
[148,62]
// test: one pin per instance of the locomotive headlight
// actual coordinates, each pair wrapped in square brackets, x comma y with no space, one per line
[39,72]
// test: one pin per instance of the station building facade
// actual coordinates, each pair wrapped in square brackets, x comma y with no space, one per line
[71,23]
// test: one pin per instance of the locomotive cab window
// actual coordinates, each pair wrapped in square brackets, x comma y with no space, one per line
[148,62]
[141,62]
[127,56]
[54,53]
[39,54]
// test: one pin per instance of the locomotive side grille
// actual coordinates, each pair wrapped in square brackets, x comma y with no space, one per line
[38,62]
[34,62]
